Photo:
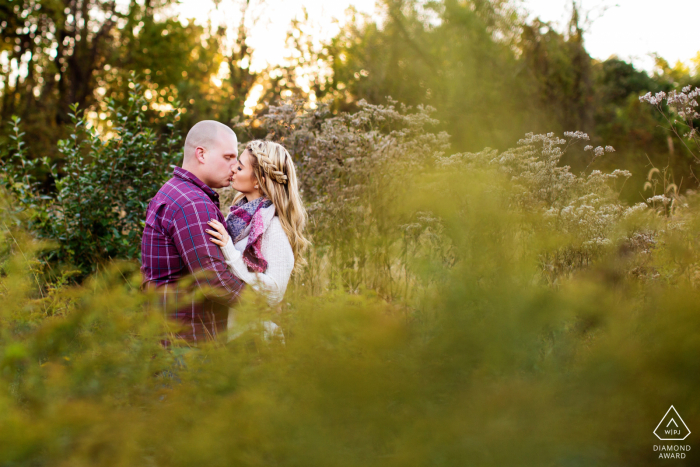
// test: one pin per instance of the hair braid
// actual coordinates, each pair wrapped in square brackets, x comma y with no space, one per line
[269,168]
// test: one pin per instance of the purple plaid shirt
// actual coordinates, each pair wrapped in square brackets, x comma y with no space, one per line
[175,244]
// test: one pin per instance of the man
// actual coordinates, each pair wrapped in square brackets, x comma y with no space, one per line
[174,242]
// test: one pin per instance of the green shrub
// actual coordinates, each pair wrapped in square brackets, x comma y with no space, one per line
[97,209]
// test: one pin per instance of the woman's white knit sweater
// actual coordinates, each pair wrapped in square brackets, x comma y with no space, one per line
[277,252]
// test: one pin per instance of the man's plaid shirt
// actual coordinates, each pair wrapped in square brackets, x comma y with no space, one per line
[175,244]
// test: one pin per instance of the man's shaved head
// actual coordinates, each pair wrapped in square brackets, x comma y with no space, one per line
[205,134]
[211,149]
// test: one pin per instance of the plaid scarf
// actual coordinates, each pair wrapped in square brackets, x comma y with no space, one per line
[244,219]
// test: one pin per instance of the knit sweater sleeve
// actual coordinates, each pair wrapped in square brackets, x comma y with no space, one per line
[280,262]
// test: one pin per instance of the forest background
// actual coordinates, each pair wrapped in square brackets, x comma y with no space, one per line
[491,74]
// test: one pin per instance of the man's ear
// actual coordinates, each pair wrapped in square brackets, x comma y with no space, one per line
[199,153]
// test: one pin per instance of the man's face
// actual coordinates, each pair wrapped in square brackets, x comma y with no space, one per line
[220,160]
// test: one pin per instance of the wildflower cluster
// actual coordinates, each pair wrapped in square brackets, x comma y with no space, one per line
[337,154]
[585,206]
[600,150]
[684,104]
[352,168]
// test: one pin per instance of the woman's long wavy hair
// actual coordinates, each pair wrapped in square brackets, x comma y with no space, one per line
[272,163]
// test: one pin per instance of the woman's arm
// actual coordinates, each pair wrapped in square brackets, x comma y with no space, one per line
[275,249]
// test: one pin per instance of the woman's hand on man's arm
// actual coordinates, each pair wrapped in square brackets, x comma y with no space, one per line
[219,235]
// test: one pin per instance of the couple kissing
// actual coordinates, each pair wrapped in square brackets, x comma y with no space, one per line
[258,244]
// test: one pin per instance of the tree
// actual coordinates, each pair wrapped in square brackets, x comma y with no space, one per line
[89,53]
[57,53]
[455,56]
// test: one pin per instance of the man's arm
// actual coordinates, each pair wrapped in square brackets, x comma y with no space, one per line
[187,229]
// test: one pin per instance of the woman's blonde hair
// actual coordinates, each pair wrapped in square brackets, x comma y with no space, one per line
[272,163]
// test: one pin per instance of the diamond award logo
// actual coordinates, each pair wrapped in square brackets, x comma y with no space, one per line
[671,427]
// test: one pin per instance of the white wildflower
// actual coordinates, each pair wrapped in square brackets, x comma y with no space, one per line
[598,241]
[551,212]
[653,100]
[662,198]
[588,148]
[677,98]
[621,173]
[576,135]
[632,210]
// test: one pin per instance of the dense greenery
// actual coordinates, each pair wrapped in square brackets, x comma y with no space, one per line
[462,305]
[97,210]
[451,301]
[494,330]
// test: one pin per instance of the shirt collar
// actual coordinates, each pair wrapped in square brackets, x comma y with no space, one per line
[188,176]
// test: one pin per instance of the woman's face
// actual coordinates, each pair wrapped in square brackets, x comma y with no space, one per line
[243,179]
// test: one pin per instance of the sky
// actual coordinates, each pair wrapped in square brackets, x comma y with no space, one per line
[630,29]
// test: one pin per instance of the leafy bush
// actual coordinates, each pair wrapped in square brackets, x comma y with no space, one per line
[96,211]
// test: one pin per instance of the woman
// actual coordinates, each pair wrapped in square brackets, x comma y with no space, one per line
[263,239]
